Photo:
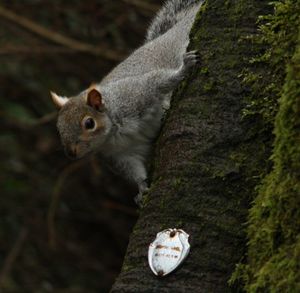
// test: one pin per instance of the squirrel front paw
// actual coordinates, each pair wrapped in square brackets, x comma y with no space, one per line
[190,59]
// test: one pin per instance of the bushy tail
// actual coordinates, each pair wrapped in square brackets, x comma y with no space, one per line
[167,17]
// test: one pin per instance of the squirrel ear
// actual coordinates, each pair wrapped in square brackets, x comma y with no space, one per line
[58,101]
[94,100]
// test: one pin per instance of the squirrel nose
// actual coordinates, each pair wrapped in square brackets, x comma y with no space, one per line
[71,152]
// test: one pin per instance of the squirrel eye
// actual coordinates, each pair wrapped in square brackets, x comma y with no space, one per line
[89,123]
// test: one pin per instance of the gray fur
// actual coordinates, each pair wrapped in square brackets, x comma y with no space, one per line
[135,94]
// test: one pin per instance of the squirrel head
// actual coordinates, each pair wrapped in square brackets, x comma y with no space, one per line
[83,123]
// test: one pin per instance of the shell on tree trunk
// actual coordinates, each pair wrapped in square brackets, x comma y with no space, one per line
[168,251]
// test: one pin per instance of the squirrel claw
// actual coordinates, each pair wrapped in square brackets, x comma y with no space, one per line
[139,198]
[191,58]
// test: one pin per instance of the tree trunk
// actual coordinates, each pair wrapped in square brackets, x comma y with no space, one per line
[206,162]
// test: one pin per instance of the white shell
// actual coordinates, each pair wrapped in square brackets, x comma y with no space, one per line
[168,251]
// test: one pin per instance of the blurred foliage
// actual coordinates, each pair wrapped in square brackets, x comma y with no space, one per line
[93,211]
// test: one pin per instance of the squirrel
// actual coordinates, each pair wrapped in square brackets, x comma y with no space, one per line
[121,115]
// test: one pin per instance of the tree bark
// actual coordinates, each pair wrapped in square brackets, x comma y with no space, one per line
[206,162]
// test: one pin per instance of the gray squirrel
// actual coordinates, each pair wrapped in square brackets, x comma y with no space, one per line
[121,115]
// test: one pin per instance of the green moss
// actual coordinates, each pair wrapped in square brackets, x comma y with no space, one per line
[241,8]
[276,43]
[208,86]
[127,268]
[177,182]
[193,33]
[274,219]
[274,250]
[203,70]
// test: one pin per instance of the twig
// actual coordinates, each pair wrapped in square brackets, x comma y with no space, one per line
[12,256]
[45,119]
[27,126]
[143,5]
[11,49]
[55,200]
[59,38]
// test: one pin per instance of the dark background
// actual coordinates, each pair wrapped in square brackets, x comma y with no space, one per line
[64,226]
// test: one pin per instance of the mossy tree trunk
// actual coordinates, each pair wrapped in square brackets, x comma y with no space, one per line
[274,219]
[207,160]
[274,242]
